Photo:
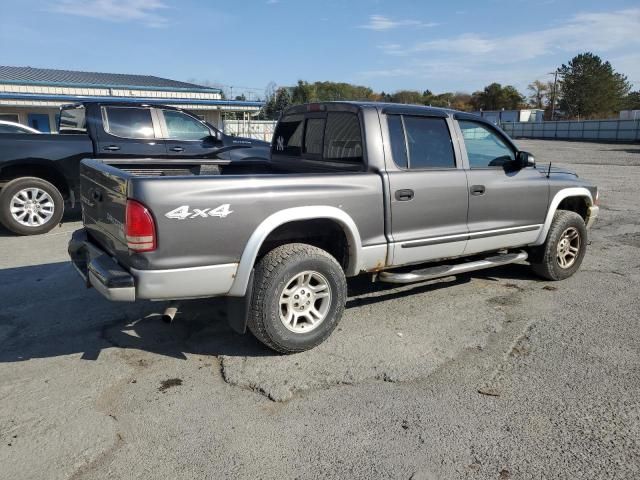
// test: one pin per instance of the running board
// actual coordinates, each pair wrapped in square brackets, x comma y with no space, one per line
[447,270]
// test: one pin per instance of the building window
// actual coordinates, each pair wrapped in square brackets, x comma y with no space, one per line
[10,117]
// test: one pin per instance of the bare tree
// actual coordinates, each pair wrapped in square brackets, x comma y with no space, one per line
[539,95]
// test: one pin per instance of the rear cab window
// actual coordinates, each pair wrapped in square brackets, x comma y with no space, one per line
[331,139]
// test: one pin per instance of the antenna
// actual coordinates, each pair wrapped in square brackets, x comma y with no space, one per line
[549,170]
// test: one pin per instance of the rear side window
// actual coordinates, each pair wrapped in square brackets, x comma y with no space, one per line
[72,120]
[128,122]
[426,142]
[398,141]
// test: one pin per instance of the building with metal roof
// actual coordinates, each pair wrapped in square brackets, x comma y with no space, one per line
[32,96]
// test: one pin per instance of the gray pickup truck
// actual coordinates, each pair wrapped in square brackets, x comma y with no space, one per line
[403,193]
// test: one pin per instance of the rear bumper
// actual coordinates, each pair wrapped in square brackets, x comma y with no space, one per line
[101,271]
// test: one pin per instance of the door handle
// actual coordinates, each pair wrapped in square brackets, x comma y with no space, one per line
[177,149]
[477,189]
[111,148]
[404,195]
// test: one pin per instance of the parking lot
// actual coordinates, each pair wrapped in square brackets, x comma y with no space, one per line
[494,374]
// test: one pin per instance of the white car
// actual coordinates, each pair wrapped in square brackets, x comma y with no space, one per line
[13,127]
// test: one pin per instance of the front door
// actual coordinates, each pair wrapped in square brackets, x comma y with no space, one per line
[507,204]
[188,137]
[428,189]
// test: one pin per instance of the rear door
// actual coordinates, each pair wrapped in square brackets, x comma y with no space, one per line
[188,137]
[507,204]
[428,189]
[129,132]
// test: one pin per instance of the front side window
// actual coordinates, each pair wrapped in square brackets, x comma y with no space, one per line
[181,126]
[485,147]
[129,122]
[423,143]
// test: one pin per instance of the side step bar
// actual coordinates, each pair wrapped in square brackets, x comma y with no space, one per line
[447,270]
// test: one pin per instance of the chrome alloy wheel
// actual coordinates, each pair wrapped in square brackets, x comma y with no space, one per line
[305,302]
[568,247]
[32,207]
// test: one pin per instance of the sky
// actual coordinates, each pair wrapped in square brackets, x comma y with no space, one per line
[387,45]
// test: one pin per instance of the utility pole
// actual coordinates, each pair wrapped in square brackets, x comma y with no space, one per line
[553,94]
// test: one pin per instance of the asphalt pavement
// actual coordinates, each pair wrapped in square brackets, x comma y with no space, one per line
[494,374]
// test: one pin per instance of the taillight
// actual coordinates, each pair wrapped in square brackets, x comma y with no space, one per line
[597,199]
[140,230]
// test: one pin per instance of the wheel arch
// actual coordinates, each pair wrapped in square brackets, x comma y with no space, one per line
[34,167]
[574,199]
[289,216]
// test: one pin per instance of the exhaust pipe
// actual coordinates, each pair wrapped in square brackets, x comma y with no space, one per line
[170,313]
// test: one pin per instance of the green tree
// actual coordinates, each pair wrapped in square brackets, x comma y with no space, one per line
[407,96]
[276,102]
[590,87]
[496,97]
[632,101]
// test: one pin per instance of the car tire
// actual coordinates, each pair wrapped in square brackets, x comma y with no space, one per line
[30,206]
[565,247]
[299,294]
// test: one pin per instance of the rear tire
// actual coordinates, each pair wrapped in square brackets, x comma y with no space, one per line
[30,206]
[298,299]
[565,247]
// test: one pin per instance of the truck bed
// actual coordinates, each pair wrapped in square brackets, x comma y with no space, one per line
[247,193]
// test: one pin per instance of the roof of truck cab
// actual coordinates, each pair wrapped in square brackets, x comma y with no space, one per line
[386,107]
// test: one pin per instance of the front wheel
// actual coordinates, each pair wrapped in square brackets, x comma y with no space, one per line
[298,297]
[30,206]
[562,253]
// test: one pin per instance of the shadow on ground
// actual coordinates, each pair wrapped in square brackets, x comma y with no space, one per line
[47,312]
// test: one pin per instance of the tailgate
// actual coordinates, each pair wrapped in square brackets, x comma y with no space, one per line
[103,194]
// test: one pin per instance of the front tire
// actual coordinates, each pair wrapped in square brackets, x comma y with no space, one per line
[565,247]
[298,299]
[30,206]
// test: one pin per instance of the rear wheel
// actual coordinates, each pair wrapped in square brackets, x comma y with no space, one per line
[562,253]
[30,206]
[298,297]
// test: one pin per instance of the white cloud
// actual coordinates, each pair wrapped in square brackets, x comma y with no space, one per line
[381,23]
[586,31]
[143,11]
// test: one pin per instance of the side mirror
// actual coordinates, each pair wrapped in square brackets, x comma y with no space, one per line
[526,159]
[218,135]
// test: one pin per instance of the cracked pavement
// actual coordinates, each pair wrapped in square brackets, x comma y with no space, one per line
[491,375]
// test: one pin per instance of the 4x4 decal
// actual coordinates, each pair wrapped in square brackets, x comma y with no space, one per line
[183,212]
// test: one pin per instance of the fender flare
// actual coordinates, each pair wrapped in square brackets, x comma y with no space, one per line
[275,220]
[557,199]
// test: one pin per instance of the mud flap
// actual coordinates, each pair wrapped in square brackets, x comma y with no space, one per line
[238,309]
